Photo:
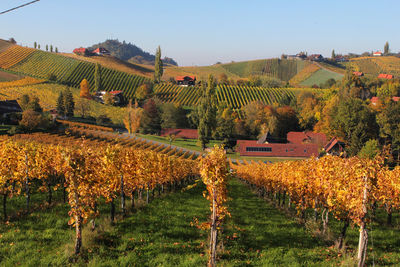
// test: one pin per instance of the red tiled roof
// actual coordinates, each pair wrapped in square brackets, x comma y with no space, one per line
[79,50]
[278,150]
[100,50]
[306,137]
[375,99]
[378,53]
[183,133]
[358,73]
[385,76]
[331,144]
[182,78]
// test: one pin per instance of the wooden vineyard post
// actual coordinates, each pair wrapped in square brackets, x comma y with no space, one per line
[363,240]
[214,233]
[214,172]
[78,234]
[28,197]
[122,196]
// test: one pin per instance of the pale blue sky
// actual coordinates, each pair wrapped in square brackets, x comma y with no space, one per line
[204,32]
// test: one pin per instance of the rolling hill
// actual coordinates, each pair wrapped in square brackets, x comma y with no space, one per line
[374,66]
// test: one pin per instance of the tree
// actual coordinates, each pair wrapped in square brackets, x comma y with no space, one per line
[85,91]
[150,121]
[51,48]
[82,106]
[35,45]
[354,123]
[60,104]
[47,47]
[333,55]
[69,103]
[38,46]
[173,116]
[24,102]
[12,40]
[225,129]
[370,149]
[223,78]
[133,117]
[207,112]
[56,50]
[34,105]
[144,91]
[97,78]
[158,66]
[386,49]
[31,120]
[109,99]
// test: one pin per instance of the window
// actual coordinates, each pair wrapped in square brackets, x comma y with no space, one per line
[305,150]
[258,149]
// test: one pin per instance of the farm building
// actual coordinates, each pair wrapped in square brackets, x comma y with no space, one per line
[334,147]
[101,51]
[82,51]
[186,80]
[316,57]
[377,54]
[299,144]
[9,106]
[385,76]
[182,133]
[252,148]
[358,73]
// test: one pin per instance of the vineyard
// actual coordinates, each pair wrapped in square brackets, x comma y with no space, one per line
[22,82]
[66,70]
[350,189]
[235,96]
[377,65]
[277,68]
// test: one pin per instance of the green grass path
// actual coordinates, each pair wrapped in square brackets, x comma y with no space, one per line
[162,234]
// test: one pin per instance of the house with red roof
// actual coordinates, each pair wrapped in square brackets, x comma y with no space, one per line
[82,51]
[101,51]
[385,76]
[334,147]
[307,137]
[377,54]
[186,80]
[358,73]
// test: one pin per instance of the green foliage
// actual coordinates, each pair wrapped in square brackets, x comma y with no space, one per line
[34,105]
[150,121]
[386,49]
[51,48]
[173,116]
[388,120]
[35,45]
[207,112]
[24,102]
[354,123]
[144,91]
[225,126]
[52,77]
[69,103]
[370,149]
[61,104]
[158,66]
[321,76]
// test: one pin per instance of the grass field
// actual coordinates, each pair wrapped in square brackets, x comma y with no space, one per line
[7,77]
[48,94]
[162,234]
[320,77]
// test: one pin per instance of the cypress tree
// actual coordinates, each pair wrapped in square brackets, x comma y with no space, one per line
[207,112]
[35,45]
[69,103]
[386,48]
[51,48]
[56,50]
[47,47]
[97,78]
[158,66]
[60,105]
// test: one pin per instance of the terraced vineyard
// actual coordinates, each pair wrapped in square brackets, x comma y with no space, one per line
[377,65]
[235,96]
[69,71]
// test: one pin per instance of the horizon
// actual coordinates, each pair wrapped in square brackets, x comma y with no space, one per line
[209,32]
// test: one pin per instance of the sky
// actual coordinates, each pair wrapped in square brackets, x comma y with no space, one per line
[208,31]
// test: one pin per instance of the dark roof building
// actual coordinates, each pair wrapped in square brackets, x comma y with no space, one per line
[101,51]
[185,80]
[9,106]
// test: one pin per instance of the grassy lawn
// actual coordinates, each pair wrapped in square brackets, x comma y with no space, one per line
[162,234]
[4,129]
[193,144]
[321,76]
